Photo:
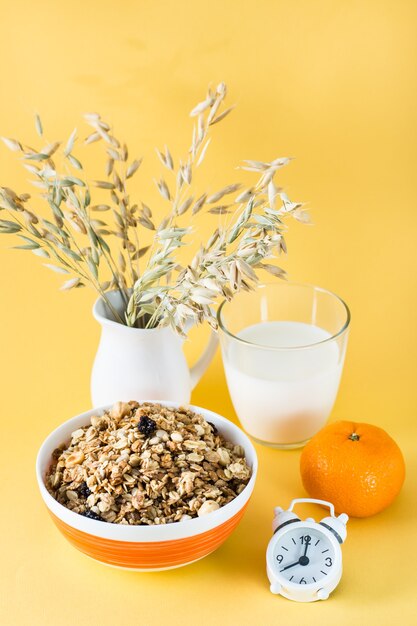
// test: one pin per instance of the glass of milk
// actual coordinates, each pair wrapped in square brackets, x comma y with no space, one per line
[283,348]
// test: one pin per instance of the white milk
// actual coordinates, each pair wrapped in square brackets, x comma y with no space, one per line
[283,396]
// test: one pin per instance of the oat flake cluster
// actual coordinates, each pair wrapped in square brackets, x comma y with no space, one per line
[147,464]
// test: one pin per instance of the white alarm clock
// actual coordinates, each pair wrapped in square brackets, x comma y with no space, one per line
[304,557]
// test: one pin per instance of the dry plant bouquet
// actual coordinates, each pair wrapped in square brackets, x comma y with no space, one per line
[76,238]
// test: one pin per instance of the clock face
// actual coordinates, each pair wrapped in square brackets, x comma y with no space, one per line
[304,556]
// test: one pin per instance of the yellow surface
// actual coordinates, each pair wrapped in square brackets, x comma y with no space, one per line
[330,82]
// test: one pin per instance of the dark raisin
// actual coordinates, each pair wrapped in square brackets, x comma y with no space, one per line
[146,425]
[83,490]
[215,431]
[92,515]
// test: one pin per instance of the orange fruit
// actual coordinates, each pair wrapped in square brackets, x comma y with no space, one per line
[357,467]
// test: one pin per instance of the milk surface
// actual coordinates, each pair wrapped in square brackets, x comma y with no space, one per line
[283,396]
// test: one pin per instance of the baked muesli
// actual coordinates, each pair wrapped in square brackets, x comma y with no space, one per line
[144,464]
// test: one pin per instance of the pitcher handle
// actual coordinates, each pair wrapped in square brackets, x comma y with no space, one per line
[198,369]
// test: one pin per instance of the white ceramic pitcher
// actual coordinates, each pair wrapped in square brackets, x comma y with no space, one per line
[142,364]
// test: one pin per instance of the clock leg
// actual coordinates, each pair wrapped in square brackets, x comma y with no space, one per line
[322,594]
[275,587]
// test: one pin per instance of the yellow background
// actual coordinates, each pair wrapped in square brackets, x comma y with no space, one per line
[329,82]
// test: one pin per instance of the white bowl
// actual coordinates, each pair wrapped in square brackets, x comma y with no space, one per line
[147,548]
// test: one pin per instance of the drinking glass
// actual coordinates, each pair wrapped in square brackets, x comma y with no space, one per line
[283,348]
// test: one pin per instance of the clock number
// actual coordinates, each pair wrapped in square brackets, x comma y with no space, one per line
[305,539]
[279,558]
[303,581]
[328,562]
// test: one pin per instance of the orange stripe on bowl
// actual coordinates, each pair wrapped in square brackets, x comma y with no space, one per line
[149,555]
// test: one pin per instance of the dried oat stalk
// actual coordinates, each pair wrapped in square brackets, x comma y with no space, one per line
[94,233]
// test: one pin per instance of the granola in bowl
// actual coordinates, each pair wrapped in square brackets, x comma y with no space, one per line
[147,464]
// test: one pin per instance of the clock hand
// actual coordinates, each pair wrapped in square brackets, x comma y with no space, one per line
[306,548]
[292,565]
